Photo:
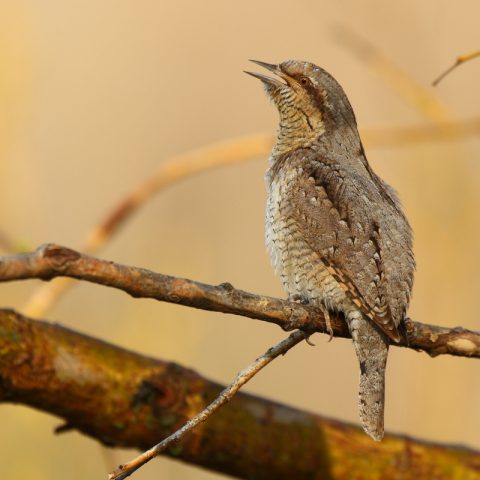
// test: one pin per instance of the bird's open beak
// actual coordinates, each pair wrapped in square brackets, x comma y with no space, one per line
[269,81]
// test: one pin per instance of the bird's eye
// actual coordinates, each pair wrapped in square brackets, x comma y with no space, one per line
[304,81]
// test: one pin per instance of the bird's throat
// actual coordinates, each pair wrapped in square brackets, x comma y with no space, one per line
[297,129]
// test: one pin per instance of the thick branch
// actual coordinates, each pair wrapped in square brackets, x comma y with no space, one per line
[50,261]
[129,400]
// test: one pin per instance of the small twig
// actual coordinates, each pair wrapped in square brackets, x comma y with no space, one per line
[50,261]
[225,396]
[461,59]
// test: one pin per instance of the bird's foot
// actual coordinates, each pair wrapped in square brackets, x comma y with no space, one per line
[328,322]
[297,298]
[408,329]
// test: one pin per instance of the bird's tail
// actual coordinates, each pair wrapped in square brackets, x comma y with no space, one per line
[371,347]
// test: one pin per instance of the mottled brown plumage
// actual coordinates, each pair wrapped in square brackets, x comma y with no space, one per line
[336,232]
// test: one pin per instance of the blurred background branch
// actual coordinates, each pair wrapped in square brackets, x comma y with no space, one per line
[229,152]
[6,245]
[424,100]
[123,399]
[170,172]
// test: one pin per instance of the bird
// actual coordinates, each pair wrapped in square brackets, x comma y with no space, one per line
[336,232]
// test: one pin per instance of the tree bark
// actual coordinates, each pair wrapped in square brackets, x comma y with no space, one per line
[125,399]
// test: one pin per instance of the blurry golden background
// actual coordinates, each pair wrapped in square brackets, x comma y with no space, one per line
[94,95]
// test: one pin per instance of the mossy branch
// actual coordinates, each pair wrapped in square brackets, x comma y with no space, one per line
[124,399]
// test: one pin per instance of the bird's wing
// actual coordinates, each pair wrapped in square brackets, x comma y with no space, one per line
[339,218]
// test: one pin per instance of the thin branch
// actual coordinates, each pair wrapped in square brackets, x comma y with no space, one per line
[50,261]
[461,59]
[124,399]
[225,396]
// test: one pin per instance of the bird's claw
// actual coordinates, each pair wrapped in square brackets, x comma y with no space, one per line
[328,323]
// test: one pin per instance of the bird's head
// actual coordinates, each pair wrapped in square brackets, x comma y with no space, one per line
[311,103]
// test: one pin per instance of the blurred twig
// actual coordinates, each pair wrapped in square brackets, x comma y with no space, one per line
[461,59]
[400,81]
[170,172]
[221,154]
[177,168]
[6,245]
[378,137]
[224,396]
[50,261]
